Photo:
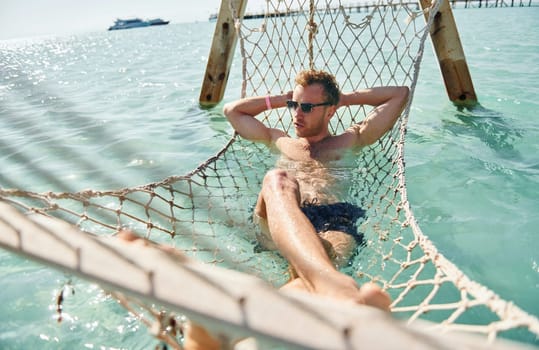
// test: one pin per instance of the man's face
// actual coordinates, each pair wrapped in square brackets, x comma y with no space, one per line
[313,123]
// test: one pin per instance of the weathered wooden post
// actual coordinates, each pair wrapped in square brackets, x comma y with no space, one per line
[221,53]
[446,42]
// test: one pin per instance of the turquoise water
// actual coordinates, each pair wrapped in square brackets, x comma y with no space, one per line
[110,110]
[473,176]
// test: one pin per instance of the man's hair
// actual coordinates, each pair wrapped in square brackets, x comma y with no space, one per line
[327,80]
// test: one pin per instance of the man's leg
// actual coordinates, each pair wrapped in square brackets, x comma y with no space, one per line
[297,240]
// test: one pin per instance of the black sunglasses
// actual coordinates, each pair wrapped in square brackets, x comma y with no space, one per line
[305,107]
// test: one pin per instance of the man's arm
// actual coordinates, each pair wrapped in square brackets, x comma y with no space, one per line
[241,115]
[389,101]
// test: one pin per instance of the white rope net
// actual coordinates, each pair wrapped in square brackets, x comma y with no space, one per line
[206,213]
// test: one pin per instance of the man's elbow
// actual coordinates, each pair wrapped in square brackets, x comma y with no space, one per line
[228,109]
[403,93]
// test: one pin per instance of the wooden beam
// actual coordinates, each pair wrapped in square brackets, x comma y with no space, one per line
[448,48]
[221,53]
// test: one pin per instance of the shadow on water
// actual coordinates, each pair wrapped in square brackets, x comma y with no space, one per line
[32,167]
[64,112]
[64,119]
[488,126]
[197,117]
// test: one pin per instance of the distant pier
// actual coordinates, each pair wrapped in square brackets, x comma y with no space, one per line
[493,3]
[366,7]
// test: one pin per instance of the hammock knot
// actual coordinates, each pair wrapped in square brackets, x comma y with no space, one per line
[312,27]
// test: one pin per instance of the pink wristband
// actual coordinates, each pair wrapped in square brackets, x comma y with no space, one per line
[268,103]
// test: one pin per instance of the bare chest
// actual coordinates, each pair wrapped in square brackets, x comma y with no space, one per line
[299,150]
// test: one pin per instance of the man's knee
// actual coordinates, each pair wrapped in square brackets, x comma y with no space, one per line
[272,181]
[275,176]
[279,180]
[278,187]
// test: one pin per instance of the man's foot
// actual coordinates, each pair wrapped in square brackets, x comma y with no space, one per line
[343,287]
[374,296]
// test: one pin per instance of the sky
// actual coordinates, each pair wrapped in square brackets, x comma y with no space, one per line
[29,18]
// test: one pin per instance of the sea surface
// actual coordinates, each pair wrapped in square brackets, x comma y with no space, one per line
[108,110]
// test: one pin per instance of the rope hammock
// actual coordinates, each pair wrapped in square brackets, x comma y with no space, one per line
[206,214]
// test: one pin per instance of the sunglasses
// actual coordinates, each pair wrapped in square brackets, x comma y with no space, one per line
[305,107]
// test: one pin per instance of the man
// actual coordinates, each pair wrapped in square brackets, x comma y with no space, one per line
[313,102]
[284,223]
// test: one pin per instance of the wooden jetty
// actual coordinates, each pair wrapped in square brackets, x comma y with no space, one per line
[365,7]
[493,3]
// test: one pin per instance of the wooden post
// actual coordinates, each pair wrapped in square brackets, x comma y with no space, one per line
[446,42]
[222,53]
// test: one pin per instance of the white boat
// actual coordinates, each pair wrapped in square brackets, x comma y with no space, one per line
[136,23]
